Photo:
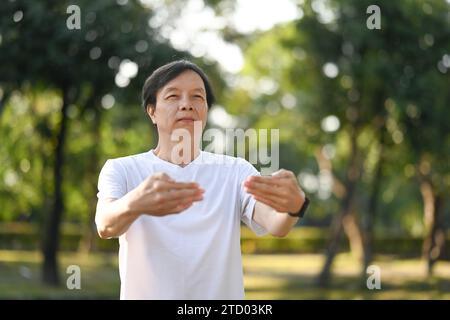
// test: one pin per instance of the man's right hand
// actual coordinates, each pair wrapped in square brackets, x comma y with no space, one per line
[160,195]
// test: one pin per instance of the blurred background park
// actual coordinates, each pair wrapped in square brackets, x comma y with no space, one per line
[362,113]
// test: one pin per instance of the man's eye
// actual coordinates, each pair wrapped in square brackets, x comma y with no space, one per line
[198,97]
[172,96]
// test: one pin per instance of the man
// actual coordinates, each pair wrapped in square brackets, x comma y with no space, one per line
[177,212]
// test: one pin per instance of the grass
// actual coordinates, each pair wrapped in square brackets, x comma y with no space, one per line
[294,276]
[289,276]
[20,276]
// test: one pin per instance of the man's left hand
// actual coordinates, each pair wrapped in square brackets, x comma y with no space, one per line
[279,191]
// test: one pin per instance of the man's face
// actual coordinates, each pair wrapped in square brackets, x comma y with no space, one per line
[179,103]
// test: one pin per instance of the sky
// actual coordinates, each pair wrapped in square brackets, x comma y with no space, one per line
[197,29]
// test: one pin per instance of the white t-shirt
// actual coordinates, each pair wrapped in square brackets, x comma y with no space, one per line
[195,254]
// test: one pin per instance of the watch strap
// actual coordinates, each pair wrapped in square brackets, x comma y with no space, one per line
[302,210]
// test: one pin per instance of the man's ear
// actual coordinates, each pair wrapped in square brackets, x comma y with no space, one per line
[151,112]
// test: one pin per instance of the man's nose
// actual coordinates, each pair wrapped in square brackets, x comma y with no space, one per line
[185,104]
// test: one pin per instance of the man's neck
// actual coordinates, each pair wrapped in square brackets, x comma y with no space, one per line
[175,152]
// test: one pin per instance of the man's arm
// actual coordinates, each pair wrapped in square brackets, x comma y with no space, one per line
[278,224]
[113,217]
[158,195]
[275,196]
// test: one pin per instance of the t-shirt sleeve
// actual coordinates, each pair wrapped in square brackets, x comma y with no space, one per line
[111,181]
[247,200]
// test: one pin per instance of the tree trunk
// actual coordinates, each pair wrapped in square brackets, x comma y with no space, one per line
[87,241]
[354,235]
[3,101]
[337,227]
[434,241]
[368,222]
[336,237]
[51,237]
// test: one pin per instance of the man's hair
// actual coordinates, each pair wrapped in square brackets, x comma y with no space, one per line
[161,76]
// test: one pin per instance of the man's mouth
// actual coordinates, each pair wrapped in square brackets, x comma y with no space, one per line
[186,119]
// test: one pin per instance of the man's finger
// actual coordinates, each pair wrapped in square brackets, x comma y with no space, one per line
[172,198]
[182,202]
[179,207]
[282,173]
[163,185]
[183,185]
[263,187]
[265,195]
[168,199]
[284,179]
[270,180]
[173,205]
[181,194]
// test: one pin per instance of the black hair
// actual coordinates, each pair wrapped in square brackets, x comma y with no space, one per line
[164,74]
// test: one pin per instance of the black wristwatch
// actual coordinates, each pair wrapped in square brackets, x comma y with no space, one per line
[302,210]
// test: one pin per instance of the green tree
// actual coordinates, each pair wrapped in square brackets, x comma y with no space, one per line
[376,67]
[377,83]
[80,66]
